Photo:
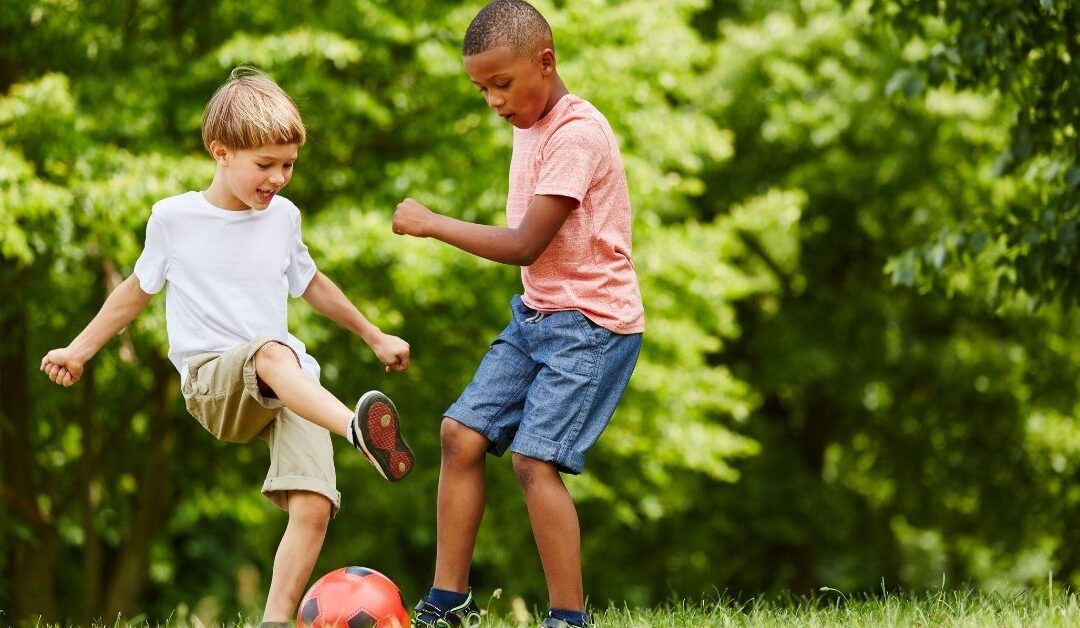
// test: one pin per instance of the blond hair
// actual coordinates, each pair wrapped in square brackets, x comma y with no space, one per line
[250,110]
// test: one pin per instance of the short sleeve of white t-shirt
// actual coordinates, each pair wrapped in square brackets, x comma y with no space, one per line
[153,263]
[301,267]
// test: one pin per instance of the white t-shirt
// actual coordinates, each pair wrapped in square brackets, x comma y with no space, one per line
[229,274]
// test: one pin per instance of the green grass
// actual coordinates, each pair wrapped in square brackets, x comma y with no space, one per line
[829,608]
[833,608]
[964,608]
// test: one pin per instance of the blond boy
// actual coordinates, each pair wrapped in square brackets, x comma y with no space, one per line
[228,258]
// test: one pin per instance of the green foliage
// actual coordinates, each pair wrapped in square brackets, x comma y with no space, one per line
[1023,247]
[99,132]
[808,409]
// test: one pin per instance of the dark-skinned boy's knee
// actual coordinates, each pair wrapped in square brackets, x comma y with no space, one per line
[530,470]
[460,444]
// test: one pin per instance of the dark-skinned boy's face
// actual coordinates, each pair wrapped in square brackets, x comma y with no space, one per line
[516,86]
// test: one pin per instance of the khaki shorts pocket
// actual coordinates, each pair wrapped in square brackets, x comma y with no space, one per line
[215,394]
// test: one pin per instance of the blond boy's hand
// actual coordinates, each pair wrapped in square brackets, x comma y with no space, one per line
[62,366]
[392,351]
[411,218]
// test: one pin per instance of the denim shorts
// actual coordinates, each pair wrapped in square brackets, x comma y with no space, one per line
[548,385]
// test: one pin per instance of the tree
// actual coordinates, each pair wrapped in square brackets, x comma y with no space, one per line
[1027,250]
[898,429]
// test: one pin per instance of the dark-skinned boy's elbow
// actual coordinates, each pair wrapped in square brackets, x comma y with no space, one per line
[532,252]
[529,254]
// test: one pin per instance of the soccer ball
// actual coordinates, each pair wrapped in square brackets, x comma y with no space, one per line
[353,597]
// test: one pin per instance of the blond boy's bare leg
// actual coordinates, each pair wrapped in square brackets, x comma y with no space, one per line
[276,366]
[555,527]
[309,515]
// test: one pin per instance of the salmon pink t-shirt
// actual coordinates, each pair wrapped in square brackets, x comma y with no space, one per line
[572,152]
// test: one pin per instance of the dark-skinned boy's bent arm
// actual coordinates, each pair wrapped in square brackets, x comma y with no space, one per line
[518,246]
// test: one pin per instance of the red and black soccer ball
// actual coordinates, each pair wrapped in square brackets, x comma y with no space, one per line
[353,597]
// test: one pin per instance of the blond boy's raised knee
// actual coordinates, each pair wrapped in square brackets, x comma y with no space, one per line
[274,356]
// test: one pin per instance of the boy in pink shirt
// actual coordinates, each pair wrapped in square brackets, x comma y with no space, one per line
[552,379]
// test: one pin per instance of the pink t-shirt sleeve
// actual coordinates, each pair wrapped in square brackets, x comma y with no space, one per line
[571,159]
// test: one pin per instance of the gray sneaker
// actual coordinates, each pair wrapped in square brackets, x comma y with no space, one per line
[377,431]
[551,622]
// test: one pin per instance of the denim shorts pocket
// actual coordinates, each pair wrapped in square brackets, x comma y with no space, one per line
[572,343]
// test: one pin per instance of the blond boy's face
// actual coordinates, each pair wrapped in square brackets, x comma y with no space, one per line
[249,178]
[516,86]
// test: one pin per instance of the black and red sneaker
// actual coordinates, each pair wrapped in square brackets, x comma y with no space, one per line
[377,433]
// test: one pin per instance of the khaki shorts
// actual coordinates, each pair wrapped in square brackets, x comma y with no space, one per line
[223,393]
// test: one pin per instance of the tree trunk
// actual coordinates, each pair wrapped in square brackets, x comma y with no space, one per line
[91,498]
[811,441]
[129,577]
[33,552]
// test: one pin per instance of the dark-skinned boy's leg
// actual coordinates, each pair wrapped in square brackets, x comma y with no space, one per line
[555,527]
[462,487]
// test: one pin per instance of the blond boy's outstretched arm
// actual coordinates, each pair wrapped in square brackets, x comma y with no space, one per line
[65,366]
[328,299]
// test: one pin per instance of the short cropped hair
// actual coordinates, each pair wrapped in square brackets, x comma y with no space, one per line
[250,110]
[513,23]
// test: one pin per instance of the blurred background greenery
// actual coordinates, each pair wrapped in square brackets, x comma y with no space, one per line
[855,229]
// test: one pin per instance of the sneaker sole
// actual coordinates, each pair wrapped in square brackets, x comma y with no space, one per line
[379,429]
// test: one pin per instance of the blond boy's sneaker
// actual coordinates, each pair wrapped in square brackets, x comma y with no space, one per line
[376,431]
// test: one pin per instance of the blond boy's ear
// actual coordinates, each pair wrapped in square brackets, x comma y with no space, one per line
[219,151]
